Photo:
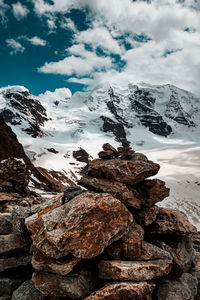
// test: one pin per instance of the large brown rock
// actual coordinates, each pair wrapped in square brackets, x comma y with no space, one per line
[75,285]
[130,245]
[134,270]
[184,288]
[159,220]
[62,266]
[150,192]
[124,291]
[183,253]
[125,171]
[12,242]
[116,189]
[84,226]
[144,194]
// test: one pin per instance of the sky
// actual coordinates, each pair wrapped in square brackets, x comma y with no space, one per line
[79,44]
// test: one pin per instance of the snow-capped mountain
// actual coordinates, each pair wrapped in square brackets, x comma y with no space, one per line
[59,131]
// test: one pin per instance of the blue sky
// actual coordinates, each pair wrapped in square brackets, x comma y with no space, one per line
[78,44]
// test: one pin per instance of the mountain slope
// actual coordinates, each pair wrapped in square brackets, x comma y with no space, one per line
[161,121]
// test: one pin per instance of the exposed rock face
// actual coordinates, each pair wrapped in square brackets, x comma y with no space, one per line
[10,147]
[14,176]
[84,226]
[7,262]
[75,286]
[19,107]
[124,291]
[116,128]
[134,270]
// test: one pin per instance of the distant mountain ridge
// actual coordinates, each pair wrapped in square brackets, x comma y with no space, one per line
[163,110]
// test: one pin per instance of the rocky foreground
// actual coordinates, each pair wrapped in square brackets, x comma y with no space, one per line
[106,241]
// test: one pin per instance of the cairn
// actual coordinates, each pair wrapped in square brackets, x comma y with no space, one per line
[109,240]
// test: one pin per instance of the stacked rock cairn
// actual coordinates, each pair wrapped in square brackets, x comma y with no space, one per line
[105,240]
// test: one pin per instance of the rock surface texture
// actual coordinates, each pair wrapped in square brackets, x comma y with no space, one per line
[108,242]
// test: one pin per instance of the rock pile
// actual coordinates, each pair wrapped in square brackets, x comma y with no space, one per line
[107,242]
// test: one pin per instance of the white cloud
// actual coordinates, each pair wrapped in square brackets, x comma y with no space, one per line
[36,41]
[20,11]
[99,37]
[3,8]
[81,63]
[117,21]
[15,46]
[67,23]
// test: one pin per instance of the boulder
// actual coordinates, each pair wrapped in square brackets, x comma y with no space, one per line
[7,262]
[134,270]
[12,242]
[27,291]
[62,266]
[183,253]
[8,285]
[109,147]
[130,245]
[71,192]
[125,171]
[151,252]
[144,194]
[84,226]
[75,285]
[159,220]
[124,291]
[184,288]
[150,192]
[5,223]
[117,189]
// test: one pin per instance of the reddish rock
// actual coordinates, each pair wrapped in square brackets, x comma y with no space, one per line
[117,189]
[75,285]
[124,291]
[10,147]
[84,226]
[151,252]
[130,245]
[106,154]
[134,270]
[12,242]
[150,192]
[125,171]
[147,216]
[168,221]
[14,176]
[144,194]
[61,266]
[109,147]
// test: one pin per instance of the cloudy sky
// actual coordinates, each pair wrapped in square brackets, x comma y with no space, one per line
[48,44]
